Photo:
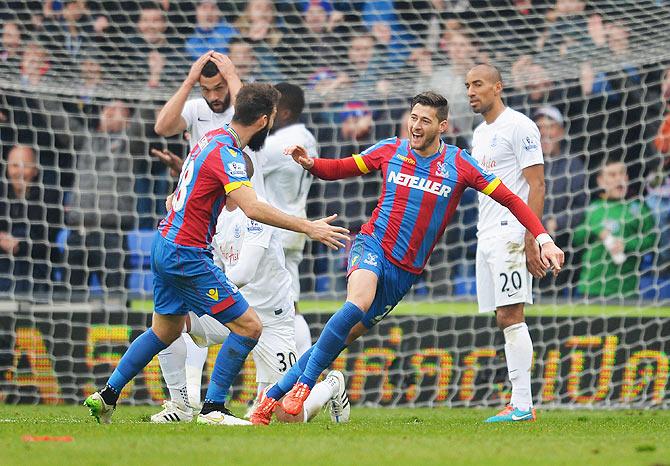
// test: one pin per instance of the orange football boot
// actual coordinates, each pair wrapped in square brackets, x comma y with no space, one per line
[293,401]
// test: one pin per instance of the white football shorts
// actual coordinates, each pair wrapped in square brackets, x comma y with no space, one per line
[502,276]
[275,351]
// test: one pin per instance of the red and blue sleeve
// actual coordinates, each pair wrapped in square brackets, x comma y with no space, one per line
[232,172]
[489,184]
[358,164]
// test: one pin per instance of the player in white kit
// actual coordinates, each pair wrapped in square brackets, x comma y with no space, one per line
[253,259]
[507,143]
[251,254]
[287,185]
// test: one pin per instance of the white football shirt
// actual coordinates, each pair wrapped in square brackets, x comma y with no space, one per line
[504,148]
[287,183]
[200,119]
[270,288]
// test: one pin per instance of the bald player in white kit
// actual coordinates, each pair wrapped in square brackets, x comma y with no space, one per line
[507,144]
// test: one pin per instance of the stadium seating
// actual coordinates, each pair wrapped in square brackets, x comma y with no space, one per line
[139,260]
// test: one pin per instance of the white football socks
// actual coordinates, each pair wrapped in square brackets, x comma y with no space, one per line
[319,396]
[519,355]
[303,337]
[172,360]
[195,361]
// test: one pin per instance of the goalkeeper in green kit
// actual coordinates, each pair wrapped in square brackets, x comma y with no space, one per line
[616,233]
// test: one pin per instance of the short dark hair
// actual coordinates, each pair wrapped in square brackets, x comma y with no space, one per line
[361,34]
[612,160]
[292,98]
[253,101]
[209,70]
[435,100]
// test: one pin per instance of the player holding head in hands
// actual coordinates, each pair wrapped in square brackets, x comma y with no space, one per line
[185,277]
[507,144]
[424,179]
[219,85]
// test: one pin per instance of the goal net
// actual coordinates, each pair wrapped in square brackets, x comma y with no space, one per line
[81,83]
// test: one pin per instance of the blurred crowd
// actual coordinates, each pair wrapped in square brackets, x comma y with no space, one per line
[78,176]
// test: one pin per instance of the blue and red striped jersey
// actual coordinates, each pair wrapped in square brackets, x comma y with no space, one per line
[214,167]
[419,196]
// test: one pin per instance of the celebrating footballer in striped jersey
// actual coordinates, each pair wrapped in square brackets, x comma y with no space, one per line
[423,180]
[252,257]
[185,277]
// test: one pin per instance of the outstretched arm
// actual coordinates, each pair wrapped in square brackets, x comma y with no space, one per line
[489,184]
[534,175]
[319,230]
[327,169]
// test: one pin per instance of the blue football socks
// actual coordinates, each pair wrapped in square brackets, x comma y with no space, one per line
[139,354]
[331,342]
[232,355]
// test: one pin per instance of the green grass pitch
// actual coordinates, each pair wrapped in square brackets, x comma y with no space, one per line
[381,436]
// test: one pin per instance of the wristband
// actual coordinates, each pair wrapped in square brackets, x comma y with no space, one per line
[543,238]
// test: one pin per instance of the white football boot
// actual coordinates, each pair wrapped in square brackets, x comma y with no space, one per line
[340,408]
[173,412]
[222,418]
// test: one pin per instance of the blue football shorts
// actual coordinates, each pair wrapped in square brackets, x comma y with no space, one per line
[393,282]
[186,279]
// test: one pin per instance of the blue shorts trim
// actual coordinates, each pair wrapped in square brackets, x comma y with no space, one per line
[393,283]
[186,279]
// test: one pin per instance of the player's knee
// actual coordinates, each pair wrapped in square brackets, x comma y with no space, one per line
[253,327]
[362,288]
[509,315]
[167,329]
[362,299]
[166,335]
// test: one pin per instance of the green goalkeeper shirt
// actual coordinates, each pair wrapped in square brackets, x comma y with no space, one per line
[629,220]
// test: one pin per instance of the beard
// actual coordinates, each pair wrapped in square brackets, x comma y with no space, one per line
[219,106]
[429,140]
[483,109]
[257,141]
